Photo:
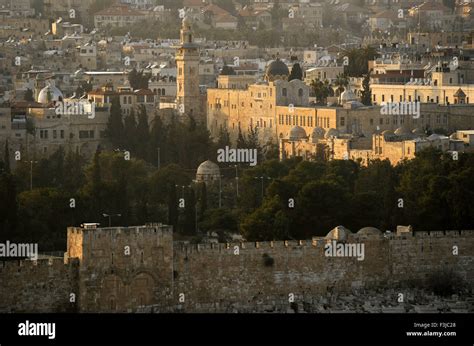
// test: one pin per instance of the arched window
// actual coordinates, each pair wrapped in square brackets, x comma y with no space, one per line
[284,92]
[300,92]
[113,303]
[163,93]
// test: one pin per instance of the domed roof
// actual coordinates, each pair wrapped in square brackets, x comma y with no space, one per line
[208,171]
[418,132]
[348,95]
[277,68]
[297,133]
[332,133]
[401,131]
[318,133]
[49,94]
[387,134]
[339,233]
[369,231]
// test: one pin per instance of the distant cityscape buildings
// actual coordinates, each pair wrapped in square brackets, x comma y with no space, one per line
[236,86]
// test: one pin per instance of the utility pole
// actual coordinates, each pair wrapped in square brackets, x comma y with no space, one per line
[237,179]
[262,180]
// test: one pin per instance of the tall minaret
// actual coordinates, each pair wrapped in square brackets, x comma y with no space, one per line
[187,62]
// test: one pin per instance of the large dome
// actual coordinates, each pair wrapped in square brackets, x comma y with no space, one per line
[418,132]
[348,96]
[339,233]
[332,133]
[318,133]
[208,171]
[297,133]
[369,231]
[50,94]
[402,131]
[277,69]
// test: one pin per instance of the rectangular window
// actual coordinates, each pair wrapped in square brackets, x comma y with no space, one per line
[83,134]
[62,133]
[55,134]
[343,121]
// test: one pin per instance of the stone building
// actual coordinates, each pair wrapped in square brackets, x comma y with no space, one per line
[395,146]
[237,104]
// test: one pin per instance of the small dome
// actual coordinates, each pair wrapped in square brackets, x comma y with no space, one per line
[277,69]
[332,133]
[401,131]
[50,94]
[297,133]
[348,95]
[208,171]
[318,133]
[387,134]
[369,231]
[339,233]
[434,137]
[418,132]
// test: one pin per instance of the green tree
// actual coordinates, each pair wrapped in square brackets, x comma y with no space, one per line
[321,90]
[6,157]
[8,206]
[115,127]
[296,72]
[189,226]
[359,61]
[203,200]
[341,83]
[130,132]
[142,134]
[224,138]
[366,92]
[241,142]
[173,207]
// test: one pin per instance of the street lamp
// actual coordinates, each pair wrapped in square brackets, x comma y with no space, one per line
[110,217]
[236,179]
[262,178]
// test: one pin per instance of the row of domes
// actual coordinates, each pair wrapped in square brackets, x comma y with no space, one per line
[341,233]
[298,133]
